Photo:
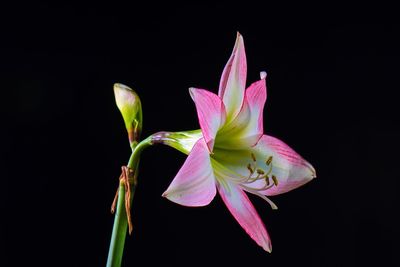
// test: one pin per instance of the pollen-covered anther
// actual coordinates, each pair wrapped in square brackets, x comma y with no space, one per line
[267,180]
[275,180]
[261,172]
[269,160]
[250,168]
[253,157]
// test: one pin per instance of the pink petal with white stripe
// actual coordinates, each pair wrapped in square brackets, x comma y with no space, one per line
[211,113]
[194,185]
[289,167]
[244,212]
[247,128]
[233,80]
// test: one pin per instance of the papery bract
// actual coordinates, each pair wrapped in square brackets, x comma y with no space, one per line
[232,155]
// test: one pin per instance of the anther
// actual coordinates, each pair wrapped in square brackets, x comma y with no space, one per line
[253,157]
[275,180]
[267,180]
[250,168]
[259,171]
[269,160]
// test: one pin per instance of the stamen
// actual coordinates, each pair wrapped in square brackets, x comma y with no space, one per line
[267,179]
[269,170]
[255,174]
[269,160]
[253,179]
[265,187]
[272,204]
[254,191]
[260,171]
[275,180]
[253,157]
[250,169]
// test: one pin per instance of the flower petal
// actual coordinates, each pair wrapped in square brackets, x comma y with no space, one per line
[247,128]
[290,169]
[211,113]
[233,79]
[194,185]
[244,212]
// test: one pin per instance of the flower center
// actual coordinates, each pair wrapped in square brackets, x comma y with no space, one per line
[258,173]
[258,180]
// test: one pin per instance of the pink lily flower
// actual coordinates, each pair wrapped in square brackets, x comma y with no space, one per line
[233,156]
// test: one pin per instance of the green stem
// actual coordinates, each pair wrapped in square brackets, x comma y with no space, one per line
[120,222]
[137,151]
[119,231]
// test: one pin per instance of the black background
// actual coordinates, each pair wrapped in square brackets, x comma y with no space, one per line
[331,96]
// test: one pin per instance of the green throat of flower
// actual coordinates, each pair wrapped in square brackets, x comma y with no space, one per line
[249,183]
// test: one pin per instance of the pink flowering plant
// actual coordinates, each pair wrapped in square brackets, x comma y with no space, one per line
[229,154]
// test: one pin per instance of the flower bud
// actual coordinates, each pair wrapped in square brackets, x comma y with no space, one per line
[128,102]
